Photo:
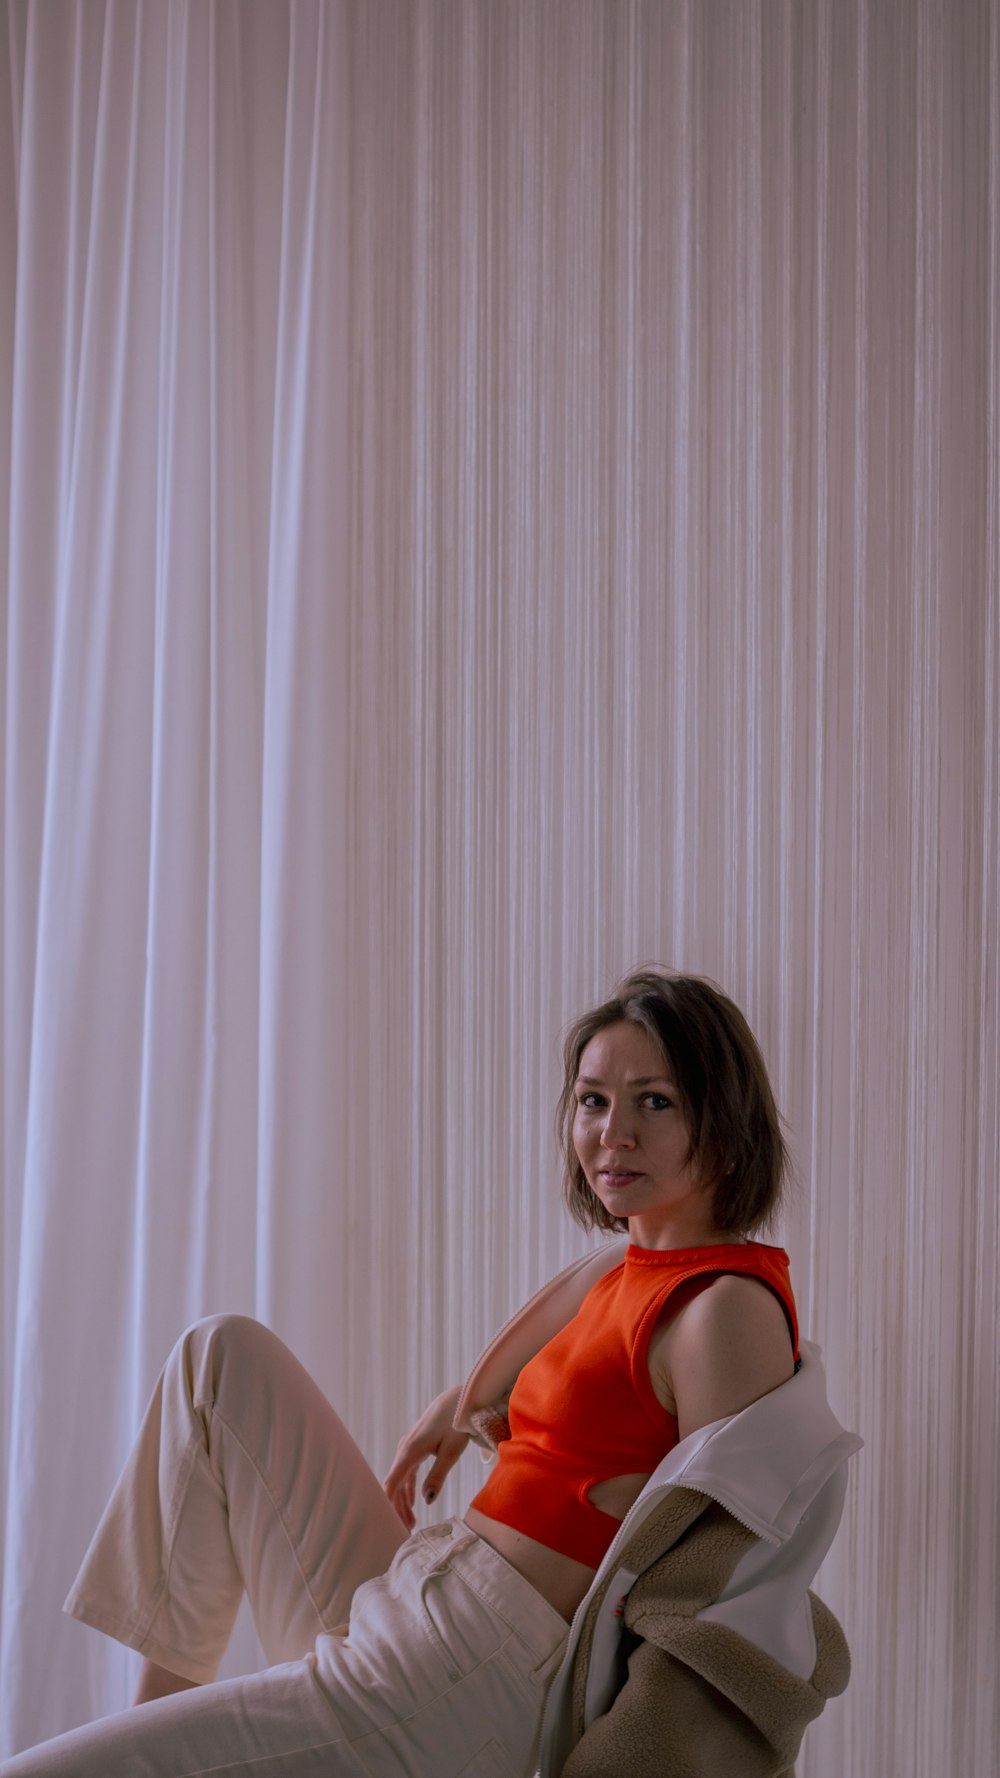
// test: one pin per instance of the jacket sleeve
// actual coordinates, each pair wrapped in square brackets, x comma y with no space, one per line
[669,1722]
[712,1706]
[699,1700]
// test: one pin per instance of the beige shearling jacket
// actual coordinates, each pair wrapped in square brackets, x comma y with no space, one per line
[699,1650]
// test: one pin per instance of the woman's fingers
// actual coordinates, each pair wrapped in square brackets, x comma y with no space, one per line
[402,1476]
[404,1507]
[448,1452]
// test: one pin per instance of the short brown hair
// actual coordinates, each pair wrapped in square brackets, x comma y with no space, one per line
[722,1086]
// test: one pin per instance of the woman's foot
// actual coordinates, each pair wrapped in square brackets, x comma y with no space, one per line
[159,1682]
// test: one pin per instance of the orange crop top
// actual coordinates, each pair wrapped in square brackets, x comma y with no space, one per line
[584,1410]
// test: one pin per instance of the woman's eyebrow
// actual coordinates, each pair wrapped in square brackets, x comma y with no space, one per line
[645,1080]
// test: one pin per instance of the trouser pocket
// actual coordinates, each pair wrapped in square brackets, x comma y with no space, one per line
[459,1625]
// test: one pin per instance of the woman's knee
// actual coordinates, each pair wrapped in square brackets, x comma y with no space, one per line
[227,1344]
[228,1329]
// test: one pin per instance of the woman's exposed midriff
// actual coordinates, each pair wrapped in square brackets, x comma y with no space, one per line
[560,1580]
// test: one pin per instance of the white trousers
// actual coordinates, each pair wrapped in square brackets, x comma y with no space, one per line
[420,1657]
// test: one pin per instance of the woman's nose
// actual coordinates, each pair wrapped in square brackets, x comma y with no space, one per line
[617,1131]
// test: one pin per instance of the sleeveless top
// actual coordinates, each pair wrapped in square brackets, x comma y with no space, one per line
[583,1410]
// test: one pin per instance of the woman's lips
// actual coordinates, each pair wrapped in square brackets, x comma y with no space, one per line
[618,1179]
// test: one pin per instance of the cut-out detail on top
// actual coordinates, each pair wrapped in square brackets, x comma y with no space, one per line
[617,1493]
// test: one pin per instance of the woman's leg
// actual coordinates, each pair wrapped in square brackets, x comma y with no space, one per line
[242,1477]
[158,1682]
[442,1674]
[257,1726]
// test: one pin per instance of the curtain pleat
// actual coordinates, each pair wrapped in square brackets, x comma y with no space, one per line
[494,494]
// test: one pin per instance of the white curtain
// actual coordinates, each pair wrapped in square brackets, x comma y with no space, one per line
[175,739]
[495,492]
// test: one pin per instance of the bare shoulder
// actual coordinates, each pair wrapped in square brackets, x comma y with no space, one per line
[727,1345]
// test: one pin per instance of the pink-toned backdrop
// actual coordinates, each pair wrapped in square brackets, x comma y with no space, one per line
[495,493]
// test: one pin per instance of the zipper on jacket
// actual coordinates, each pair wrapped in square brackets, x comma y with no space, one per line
[624,1531]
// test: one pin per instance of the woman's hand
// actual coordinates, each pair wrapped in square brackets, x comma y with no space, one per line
[433,1436]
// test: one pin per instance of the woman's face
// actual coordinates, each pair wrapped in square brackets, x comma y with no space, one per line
[633,1143]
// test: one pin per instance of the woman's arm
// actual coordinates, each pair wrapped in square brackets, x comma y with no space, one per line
[494,1375]
[490,1381]
[727,1345]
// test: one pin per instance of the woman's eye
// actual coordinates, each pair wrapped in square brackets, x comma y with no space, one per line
[589,1101]
[658,1101]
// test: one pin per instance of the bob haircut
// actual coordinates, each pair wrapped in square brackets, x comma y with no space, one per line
[722,1087]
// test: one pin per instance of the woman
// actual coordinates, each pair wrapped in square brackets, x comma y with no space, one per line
[243,1477]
